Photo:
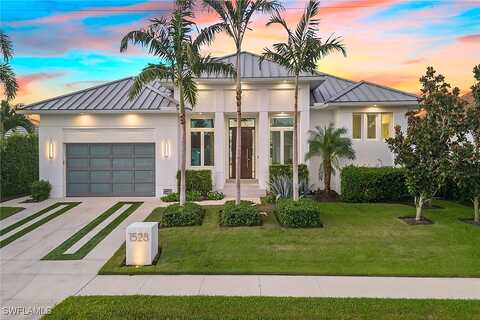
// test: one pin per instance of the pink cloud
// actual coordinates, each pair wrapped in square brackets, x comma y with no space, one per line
[25,81]
[473,38]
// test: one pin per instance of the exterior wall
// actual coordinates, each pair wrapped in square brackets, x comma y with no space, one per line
[60,129]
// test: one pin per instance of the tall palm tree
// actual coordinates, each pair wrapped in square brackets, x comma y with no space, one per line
[235,18]
[180,62]
[301,53]
[7,76]
[9,119]
[331,146]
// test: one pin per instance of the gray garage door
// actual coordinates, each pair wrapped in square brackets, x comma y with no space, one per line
[106,169]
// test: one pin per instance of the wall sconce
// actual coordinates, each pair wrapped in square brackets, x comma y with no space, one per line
[51,150]
[166,149]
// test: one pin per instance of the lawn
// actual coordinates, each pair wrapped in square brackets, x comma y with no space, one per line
[6,212]
[358,239]
[157,307]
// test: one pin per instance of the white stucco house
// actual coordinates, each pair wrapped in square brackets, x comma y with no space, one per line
[96,142]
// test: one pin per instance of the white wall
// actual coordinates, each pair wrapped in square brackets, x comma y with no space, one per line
[107,128]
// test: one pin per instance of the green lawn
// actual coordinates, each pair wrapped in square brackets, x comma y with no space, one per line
[157,307]
[358,239]
[6,212]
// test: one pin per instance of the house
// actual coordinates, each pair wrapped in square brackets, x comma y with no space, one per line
[96,142]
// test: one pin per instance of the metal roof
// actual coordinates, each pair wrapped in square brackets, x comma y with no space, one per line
[250,69]
[329,88]
[111,96]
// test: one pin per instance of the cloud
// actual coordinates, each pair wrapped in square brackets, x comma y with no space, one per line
[473,38]
[414,61]
[25,81]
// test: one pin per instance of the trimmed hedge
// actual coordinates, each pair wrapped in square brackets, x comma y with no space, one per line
[19,164]
[304,213]
[174,196]
[215,195]
[276,170]
[365,184]
[175,215]
[244,214]
[41,190]
[197,180]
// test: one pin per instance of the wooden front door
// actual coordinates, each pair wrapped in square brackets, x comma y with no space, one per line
[247,155]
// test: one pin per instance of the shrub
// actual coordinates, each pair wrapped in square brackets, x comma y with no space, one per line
[244,214]
[174,196]
[215,195]
[364,184]
[282,187]
[175,215]
[276,170]
[40,190]
[270,198]
[304,213]
[197,180]
[19,164]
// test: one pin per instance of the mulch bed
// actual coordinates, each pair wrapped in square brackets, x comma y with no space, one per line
[410,220]
[470,221]
[324,196]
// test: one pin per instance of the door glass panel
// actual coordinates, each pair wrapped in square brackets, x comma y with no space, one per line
[281,122]
[77,188]
[201,123]
[386,125]
[122,176]
[143,176]
[196,152]
[77,164]
[144,164]
[287,147]
[245,123]
[371,126]
[123,164]
[209,145]
[144,150]
[123,188]
[144,187]
[101,188]
[275,147]
[78,150]
[100,163]
[123,150]
[100,150]
[357,126]
[101,176]
[78,176]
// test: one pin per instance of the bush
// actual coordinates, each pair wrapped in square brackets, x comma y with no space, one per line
[365,184]
[197,180]
[40,190]
[276,170]
[282,187]
[215,195]
[175,215]
[270,198]
[304,213]
[19,165]
[244,214]
[174,197]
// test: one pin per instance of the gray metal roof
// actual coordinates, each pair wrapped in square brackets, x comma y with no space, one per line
[250,69]
[111,96]
[329,88]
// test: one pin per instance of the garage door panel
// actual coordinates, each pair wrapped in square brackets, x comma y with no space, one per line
[101,176]
[123,150]
[79,163]
[98,164]
[144,164]
[100,150]
[144,150]
[123,176]
[78,176]
[143,176]
[101,188]
[144,188]
[123,164]
[123,188]
[78,150]
[78,189]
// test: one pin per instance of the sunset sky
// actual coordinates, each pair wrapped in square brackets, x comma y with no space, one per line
[64,46]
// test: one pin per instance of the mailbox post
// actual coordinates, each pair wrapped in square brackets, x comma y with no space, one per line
[142,243]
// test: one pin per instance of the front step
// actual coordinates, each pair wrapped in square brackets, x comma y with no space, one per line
[248,190]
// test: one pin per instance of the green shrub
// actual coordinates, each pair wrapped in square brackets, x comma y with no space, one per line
[197,180]
[215,195]
[191,196]
[244,214]
[365,184]
[175,215]
[270,198]
[171,197]
[276,170]
[304,213]
[40,190]
[18,165]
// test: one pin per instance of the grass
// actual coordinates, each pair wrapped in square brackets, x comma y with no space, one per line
[59,252]
[358,239]
[24,231]
[196,307]
[6,212]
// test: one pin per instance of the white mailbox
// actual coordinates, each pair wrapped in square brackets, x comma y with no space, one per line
[142,243]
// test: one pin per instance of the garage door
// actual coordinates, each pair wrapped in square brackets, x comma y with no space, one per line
[106,169]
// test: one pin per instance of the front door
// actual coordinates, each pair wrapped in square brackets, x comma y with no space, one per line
[247,154]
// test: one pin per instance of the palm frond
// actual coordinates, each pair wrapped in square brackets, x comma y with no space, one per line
[6,48]
[7,78]
[150,73]
[207,35]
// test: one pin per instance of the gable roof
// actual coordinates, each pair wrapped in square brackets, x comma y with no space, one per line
[111,96]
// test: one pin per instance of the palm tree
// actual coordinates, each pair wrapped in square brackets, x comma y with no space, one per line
[7,76]
[235,19]
[9,119]
[301,53]
[180,62]
[329,144]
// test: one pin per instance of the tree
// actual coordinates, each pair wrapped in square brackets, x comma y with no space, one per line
[329,143]
[180,62]
[432,130]
[301,53]
[7,75]
[235,18]
[9,119]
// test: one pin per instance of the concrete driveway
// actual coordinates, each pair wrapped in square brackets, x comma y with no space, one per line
[30,286]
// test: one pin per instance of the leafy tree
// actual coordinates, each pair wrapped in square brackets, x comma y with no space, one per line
[329,143]
[235,19]
[180,62]
[9,119]
[301,53]
[7,75]
[432,130]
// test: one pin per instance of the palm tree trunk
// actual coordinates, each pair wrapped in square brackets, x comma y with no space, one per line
[295,143]
[238,149]
[476,209]
[183,149]
[327,175]
[419,207]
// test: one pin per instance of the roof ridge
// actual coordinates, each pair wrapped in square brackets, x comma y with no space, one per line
[148,86]
[345,91]
[390,88]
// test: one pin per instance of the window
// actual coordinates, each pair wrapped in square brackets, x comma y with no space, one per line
[371,126]
[202,142]
[357,126]
[281,140]
[387,125]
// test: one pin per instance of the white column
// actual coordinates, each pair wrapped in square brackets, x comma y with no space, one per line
[219,171]
[263,156]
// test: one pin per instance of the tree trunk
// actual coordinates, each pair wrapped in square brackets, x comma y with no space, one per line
[183,149]
[327,174]
[238,150]
[295,144]
[476,209]
[419,207]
